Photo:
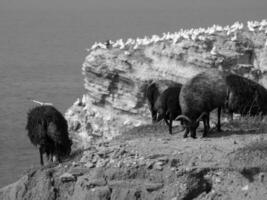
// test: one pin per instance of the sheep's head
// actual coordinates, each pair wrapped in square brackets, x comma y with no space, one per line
[61,137]
[192,125]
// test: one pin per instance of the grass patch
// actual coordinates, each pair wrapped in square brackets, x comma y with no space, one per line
[257,124]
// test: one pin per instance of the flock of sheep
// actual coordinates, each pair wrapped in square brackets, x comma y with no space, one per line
[189,103]
[192,102]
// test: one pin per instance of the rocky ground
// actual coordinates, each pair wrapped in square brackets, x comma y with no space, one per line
[147,163]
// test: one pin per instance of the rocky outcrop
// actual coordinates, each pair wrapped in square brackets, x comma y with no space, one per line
[153,165]
[116,73]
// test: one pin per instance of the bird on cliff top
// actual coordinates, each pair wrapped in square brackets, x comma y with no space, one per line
[94,46]
[210,30]
[194,36]
[155,38]
[176,38]
[146,41]
[219,28]
[263,25]
[263,22]
[253,25]
[237,26]
[250,26]
[130,41]
[119,44]
[42,103]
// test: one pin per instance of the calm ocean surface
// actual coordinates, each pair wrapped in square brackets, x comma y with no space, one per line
[42,48]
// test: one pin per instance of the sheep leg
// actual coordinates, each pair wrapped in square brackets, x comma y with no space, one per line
[193,133]
[48,157]
[186,132]
[219,120]
[41,156]
[170,125]
[231,116]
[208,121]
[166,121]
[154,116]
[206,125]
[58,159]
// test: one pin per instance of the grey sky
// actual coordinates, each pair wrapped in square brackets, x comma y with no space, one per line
[121,4]
[208,11]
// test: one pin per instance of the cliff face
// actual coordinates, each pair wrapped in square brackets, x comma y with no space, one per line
[116,73]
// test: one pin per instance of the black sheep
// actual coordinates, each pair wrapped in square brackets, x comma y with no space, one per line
[48,130]
[153,92]
[198,97]
[167,105]
[245,96]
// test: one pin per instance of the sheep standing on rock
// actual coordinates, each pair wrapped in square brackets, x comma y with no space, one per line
[163,100]
[198,97]
[48,130]
[245,96]
[167,105]
[153,92]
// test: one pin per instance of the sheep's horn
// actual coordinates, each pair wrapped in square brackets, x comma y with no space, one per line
[201,116]
[183,117]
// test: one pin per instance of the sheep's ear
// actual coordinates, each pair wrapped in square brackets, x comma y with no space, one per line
[183,117]
[201,116]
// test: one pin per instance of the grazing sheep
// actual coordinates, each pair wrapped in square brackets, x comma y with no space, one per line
[198,97]
[48,130]
[153,92]
[245,96]
[167,105]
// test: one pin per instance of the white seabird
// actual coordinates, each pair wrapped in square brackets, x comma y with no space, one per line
[94,46]
[42,103]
